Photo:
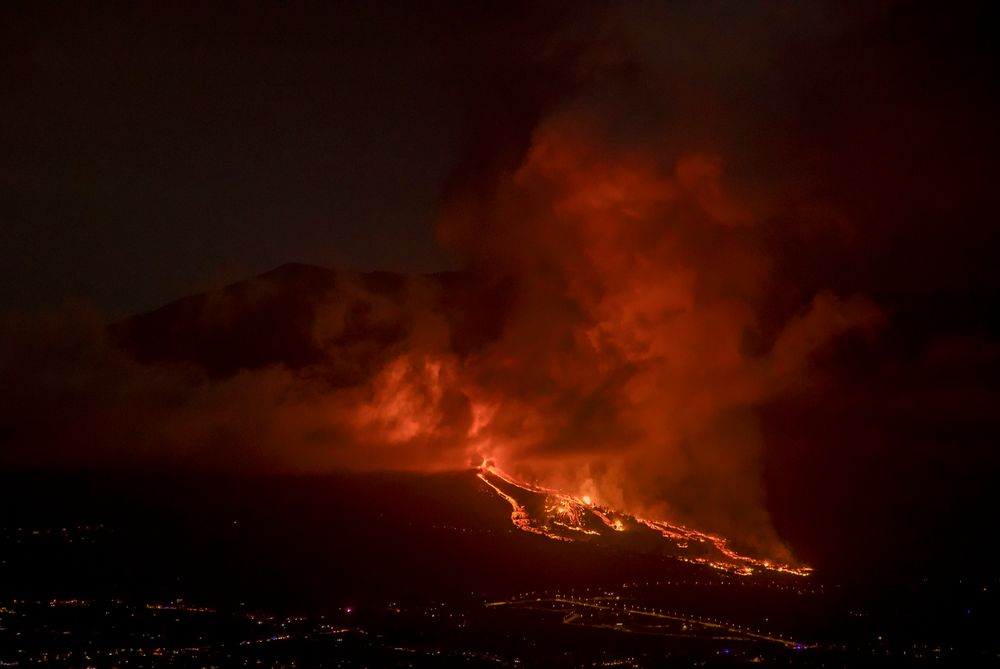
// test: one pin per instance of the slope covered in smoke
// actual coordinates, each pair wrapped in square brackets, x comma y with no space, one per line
[265,320]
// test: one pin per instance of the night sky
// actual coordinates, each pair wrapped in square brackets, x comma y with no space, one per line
[151,151]
[735,263]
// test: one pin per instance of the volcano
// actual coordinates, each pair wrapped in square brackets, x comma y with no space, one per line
[275,319]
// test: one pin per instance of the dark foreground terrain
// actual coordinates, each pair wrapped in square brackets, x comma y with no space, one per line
[409,571]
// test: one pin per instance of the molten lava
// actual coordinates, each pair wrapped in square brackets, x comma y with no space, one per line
[564,517]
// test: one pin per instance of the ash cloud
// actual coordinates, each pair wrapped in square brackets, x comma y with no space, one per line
[624,365]
[732,246]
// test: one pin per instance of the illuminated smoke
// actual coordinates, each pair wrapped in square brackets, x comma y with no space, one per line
[624,369]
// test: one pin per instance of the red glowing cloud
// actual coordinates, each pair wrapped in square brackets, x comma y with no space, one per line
[624,370]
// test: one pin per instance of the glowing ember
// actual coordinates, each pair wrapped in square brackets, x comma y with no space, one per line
[560,514]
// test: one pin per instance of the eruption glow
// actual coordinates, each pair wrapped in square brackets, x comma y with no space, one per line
[563,513]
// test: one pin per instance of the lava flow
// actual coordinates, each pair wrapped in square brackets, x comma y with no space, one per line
[564,517]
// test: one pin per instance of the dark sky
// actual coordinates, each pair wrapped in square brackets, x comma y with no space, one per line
[151,150]
[148,152]
[731,261]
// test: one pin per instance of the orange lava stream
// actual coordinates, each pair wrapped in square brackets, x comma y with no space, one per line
[519,516]
[570,512]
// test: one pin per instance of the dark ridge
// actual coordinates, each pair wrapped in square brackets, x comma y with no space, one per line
[269,319]
[275,318]
[249,324]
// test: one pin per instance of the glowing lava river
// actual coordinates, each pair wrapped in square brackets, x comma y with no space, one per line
[563,517]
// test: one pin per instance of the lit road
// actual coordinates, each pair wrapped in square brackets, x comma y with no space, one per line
[675,617]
